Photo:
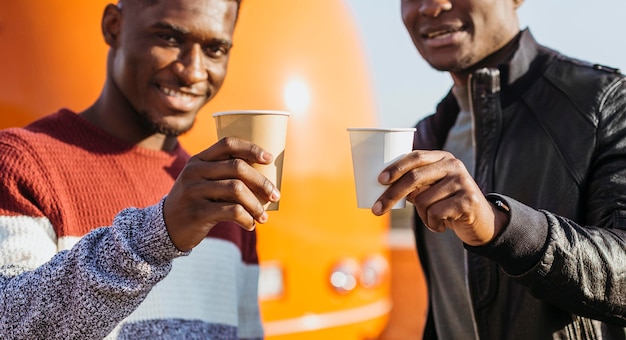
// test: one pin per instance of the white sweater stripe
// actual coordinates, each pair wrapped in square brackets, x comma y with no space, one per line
[30,242]
[26,241]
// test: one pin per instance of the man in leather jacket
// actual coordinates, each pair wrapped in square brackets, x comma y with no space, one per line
[518,180]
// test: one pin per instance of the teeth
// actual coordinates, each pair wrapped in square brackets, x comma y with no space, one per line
[440,33]
[171,92]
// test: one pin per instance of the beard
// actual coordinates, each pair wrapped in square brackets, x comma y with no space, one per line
[161,126]
[170,131]
[457,66]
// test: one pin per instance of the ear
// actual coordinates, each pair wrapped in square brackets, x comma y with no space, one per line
[111,23]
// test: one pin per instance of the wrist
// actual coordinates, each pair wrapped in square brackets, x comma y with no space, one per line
[502,214]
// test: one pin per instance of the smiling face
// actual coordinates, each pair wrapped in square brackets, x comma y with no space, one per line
[454,35]
[168,58]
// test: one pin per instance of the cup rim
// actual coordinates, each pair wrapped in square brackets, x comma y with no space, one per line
[251,112]
[380,129]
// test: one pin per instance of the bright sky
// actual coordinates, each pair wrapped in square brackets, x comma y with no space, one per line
[407,88]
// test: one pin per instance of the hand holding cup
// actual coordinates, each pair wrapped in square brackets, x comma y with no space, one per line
[217,185]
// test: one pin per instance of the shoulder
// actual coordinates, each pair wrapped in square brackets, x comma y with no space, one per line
[587,87]
[581,76]
[39,130]
[25,148]
[16,142]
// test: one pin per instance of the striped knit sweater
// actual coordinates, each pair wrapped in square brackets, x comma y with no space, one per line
[71,269]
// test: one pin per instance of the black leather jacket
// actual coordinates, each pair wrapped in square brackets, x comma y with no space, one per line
[552,144]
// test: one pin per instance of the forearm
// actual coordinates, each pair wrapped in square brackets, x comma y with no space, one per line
[583,270]
[86,291]
[580,269]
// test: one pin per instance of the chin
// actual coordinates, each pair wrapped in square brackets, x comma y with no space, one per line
[174,126]
[172,130]
[453,66]
[444,67]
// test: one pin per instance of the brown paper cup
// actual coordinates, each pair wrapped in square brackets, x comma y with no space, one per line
[267,129]
[373,149]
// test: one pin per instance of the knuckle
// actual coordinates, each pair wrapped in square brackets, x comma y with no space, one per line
[190,168]
[456,163]
[239,165]
[413,175]
[447,155]
[255,149]
[472,200]
[268,186]
[240,214]
[228,142]
[237,187]
[415,155]
[193,159]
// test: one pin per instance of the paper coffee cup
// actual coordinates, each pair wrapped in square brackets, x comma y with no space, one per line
[373,149]
[267,129]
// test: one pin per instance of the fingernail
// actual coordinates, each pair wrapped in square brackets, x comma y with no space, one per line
[263,217]
[384,178]
[275,196]
[266,156]
[377,209]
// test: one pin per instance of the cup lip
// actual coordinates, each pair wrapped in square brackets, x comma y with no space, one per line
[252,112]
[380,129]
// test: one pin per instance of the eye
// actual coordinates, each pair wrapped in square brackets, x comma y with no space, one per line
[217,50]
[170,39]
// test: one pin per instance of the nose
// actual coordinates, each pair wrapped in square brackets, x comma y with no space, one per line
[433,8]
[191,66]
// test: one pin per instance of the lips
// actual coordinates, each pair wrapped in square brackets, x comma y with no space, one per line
[182,95]
[181,99]
[438,33]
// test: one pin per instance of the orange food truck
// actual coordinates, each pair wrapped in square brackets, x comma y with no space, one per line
[325,271]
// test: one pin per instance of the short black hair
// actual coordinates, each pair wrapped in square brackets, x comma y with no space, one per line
[152,2]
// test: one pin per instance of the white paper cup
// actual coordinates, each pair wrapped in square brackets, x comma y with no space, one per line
[373,149]
[267,129]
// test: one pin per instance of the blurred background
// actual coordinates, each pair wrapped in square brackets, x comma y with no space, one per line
[328,270]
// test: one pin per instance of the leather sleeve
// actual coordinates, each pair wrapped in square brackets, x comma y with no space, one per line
[580,268]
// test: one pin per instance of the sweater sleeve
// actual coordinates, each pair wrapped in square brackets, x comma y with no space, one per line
[85,291]
[80,293]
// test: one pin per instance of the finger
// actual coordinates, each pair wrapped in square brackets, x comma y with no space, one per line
[236,213]
[237,193]
[410,185]
[413,194]
[449,204]
[413,160]
[232,147]
[232,181]
[189,218]
[210,213]
[230,169]
[429,168]
[440,215]
[423,201]
[224,200]
[262,188]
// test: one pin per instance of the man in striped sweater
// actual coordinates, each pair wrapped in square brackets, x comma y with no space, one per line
[92,245]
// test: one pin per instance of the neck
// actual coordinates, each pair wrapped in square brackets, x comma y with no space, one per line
[122,122]
[500,56]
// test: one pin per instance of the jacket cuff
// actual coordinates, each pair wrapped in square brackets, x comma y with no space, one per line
[519,247]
